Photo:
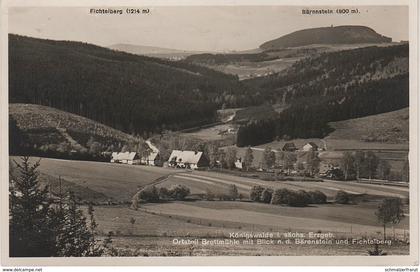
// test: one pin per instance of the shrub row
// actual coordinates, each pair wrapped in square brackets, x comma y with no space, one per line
[288,197]
[231,195]
[154,194]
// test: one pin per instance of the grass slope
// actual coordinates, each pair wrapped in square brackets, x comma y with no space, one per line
[115,182]
[391,127]
[44,125]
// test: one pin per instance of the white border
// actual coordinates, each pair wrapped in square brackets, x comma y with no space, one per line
[411,259]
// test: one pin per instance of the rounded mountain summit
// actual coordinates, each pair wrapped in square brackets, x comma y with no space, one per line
[327,35]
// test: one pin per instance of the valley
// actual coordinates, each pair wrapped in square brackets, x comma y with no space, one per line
[307,133]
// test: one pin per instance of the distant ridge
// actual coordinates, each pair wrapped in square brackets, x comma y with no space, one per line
[327,35]
[151,50]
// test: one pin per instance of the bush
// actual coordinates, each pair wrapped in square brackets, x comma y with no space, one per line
[256,193]
[223,197]
[209,195]
[280,196]
[179,192]
[298,199]
[318,197]
[266,195]
[149,194]
[342,197]
[164,193]
[233,192]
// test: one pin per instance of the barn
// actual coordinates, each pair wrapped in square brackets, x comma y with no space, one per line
[125,157]
[152,159]
[187,159]
[311,146]
[290,147]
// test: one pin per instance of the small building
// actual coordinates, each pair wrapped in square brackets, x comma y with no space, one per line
[125,157]
[329,161]
[311,146]
[152,159]
[325,167]
[187,159]
[290,147]
[239,164]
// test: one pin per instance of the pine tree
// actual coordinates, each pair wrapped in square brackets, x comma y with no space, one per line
[359,158]
[233,192]
[390,212]
[75,239]
[40,228]
[383,169]
[94,250]
[231,157]
[405,172]
[371,162]
[348,165]
[212,154]
[269,158]
[248,159]
[312,162]
[30,235]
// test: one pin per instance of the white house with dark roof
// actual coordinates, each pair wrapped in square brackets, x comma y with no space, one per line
[329,160]
[125,157]
[187,159]
[152,159]
[311,146]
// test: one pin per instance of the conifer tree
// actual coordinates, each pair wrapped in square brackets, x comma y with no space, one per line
[249,158]
[75,239]
[30,235]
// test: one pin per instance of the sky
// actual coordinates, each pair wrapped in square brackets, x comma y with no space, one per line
[222,28]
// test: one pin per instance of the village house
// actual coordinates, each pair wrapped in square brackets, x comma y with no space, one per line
[125,158]
[152,159]
[290,147]
[239,164]
[329,161]
[311,146]
[187,159]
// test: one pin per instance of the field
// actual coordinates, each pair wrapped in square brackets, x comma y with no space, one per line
[245,70]
[214,133]
[118,182]
[200,181]
[390,127]
[280,59]
[156,225]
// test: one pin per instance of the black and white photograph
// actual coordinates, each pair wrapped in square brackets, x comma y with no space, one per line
[189,131]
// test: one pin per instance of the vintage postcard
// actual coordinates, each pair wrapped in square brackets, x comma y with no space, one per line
[209,133]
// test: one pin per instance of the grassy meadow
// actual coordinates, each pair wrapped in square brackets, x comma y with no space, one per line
[151,229]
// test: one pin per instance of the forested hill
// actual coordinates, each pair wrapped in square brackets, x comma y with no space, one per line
[331,87]
[132,93]
[334,73]
[326,35]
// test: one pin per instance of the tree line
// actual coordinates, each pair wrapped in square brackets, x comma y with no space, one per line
[360,164]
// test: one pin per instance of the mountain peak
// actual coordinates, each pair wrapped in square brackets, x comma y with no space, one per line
[346,34]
